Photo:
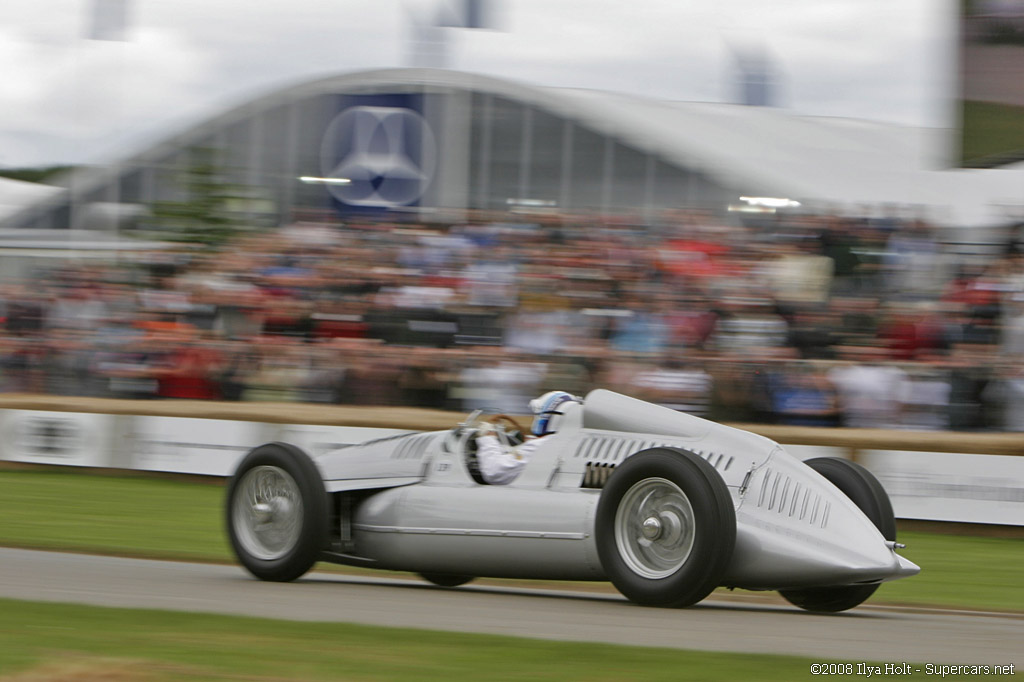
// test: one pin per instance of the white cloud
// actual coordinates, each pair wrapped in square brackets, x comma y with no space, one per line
[86,91]
[69,97]
[860,58]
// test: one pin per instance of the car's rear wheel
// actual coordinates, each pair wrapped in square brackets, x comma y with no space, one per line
[277,512]
[446,579]
[665,528]
[861,486]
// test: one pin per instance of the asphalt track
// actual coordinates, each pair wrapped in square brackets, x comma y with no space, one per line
[866,633]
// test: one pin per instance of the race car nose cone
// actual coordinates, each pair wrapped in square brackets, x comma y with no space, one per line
[906,568]
[651,528]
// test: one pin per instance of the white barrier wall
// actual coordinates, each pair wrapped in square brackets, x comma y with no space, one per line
[65,438]
[191,446]
[945,486]
[186,445]
[941,486]
[971,488]
[213,447]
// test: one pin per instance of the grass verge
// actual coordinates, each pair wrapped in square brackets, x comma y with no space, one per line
[175,519]
[49,642]
[991,131]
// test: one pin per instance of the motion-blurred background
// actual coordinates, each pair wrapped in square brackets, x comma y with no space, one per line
[753,212]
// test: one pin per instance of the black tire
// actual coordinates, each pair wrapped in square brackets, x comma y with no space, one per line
[861,486]
[446,579]
[285,481]
[681,556]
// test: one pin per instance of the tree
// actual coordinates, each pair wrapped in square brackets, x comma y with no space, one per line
[42,175]
[209,213]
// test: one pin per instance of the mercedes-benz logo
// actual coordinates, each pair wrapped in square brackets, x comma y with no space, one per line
[388,155]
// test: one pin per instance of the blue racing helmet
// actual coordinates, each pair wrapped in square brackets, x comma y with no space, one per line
[545,409]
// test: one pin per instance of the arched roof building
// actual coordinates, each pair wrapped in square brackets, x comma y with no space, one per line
[420,139]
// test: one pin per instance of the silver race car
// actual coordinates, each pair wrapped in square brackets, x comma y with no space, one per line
[665,505]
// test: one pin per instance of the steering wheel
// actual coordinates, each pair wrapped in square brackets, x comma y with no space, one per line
[507,429]
[504,418]
[463,436]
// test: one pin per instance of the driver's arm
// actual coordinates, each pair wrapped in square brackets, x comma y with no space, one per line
[500,465]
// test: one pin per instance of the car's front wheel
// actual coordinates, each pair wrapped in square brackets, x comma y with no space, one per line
[861,486]
[665,528]
[277,512]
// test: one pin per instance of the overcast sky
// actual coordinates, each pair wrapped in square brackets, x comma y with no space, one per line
[66,99]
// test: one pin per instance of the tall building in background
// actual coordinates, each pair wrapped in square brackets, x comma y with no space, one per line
[756,77]
[430,32]
[108,20]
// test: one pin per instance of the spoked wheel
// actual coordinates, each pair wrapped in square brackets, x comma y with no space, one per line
[277,512]
[654,528]
[665,528]
[446,579]
[861,486]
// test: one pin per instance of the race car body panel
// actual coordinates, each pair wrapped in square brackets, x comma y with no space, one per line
[794,528]
[511,534]
[625,490]
[399,457]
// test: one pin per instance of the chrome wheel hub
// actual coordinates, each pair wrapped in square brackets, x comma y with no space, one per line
[654,528]
[651,528]
[266,513]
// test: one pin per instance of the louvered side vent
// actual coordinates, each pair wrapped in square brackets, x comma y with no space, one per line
[602,453]
[715,459]
[596,474]
[781,494]
[403,447]
[610,449]
[412,447]
[584,447]
[606,449]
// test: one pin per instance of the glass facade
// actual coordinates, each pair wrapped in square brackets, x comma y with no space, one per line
[502,152]
[528,154]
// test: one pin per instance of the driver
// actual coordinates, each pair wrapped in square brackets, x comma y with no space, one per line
[501,463]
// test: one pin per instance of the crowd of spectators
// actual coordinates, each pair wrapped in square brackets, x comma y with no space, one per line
[814,320]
